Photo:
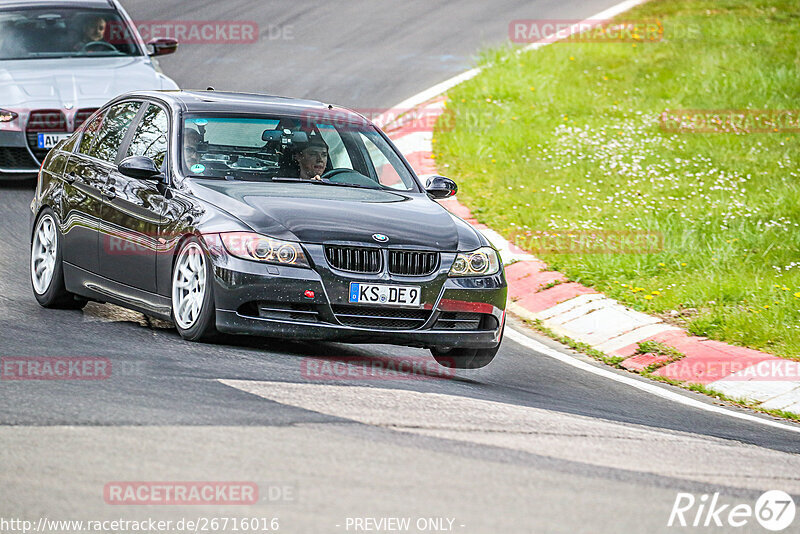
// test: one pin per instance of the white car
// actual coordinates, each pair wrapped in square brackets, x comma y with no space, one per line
[60,61]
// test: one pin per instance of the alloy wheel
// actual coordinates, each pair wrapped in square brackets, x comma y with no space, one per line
[189,286]
[43,254]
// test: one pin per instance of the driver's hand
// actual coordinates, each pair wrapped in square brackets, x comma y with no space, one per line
[317,177]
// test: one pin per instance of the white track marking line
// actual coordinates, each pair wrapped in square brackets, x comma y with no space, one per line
[574,438]
[436,90]
[522,339]
[649,387]
[439,88]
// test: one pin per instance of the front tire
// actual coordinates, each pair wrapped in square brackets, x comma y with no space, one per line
[193,310]
[46,267]
[462,358]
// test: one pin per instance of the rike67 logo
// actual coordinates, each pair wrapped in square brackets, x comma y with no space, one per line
[774,510]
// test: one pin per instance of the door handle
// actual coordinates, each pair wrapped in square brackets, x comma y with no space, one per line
[109,192]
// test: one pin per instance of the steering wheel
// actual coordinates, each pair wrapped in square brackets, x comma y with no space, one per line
[356,179]
[103,44]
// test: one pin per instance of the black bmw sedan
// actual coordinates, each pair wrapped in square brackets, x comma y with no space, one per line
[251,214]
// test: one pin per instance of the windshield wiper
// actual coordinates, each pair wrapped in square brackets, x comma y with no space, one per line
[63,55]
[344,184]
[320,182]
[46,55]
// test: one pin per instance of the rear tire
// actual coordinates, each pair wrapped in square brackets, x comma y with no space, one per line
[46,267]
[193,309]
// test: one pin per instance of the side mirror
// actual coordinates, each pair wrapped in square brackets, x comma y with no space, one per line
[140,167]
[162,47]
[440,187]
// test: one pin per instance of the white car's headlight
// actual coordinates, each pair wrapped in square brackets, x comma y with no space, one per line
[257,247]
[7,116]
[481,262]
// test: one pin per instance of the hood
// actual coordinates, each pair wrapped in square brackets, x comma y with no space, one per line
[322,214]
[68,83]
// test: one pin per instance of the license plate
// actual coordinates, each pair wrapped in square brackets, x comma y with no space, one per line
[49,140]
[384,295]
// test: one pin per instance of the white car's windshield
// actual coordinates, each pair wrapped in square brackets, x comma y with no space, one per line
[54,32]
[289,148]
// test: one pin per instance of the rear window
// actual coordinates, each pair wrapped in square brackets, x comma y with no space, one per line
[113,130]
[54,32]
[89,134]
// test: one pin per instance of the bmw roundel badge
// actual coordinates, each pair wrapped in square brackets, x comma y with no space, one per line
[380,238]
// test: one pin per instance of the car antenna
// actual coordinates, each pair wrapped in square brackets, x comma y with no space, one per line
[209,88]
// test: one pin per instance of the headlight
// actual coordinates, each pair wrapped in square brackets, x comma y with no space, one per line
[257,247]
[7,116]
[481,262]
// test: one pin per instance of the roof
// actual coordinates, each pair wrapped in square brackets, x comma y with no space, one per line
[229,102]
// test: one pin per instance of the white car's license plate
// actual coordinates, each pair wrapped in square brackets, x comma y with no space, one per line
[49,140]
[384,294]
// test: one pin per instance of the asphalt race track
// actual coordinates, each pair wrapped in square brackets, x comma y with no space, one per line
[528,444]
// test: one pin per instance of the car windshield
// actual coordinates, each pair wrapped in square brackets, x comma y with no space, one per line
[57,32]
[324,152]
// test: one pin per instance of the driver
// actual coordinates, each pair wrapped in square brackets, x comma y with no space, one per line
[313,159]
[94,28]
[191,141]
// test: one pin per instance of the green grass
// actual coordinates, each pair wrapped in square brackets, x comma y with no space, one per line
[658,349]
[567,138]
[578,346]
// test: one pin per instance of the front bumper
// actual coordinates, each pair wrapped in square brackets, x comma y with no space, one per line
[234,323]
[15,155]
[268,300]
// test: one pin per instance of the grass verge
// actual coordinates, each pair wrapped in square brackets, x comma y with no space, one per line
[615,361]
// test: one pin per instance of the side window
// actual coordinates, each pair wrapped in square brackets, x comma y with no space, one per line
[151,135]
[387,175]
[89,134]
[69,146]
[113,130]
